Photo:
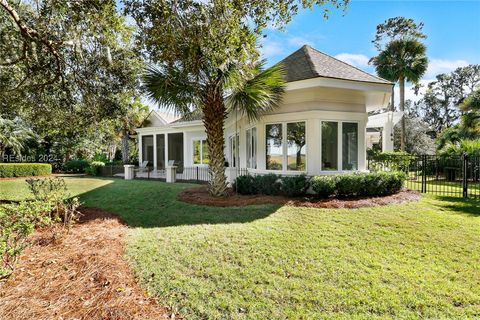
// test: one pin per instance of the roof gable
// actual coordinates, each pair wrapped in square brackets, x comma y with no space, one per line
[308,63]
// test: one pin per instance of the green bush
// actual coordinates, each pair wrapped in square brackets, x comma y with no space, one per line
[75,166]
[359,184]
[268,184]
[349,185]
[9,170]
[245,185]
[295,186]
[324,186]
[391,160]
[94,168]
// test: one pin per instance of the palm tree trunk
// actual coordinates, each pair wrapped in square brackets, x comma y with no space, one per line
[125,138]
[214,113]
[402,108]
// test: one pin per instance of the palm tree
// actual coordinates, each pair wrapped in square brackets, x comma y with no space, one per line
[470,124]
[13,135]
[251,91]
[133,117]
[402,60]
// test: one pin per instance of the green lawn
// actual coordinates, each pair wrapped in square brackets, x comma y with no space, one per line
[271,262]
[18,189]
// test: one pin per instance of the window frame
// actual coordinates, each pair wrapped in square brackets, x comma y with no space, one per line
[340,145]
[285,146]
[201,140]
[252,143]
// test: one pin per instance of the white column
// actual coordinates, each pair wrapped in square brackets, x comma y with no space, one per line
[166,150]
[261,165]
[340,146]
[154,151]
[387,133]
[171,173]
[140,155]
[362,145]
[314,143]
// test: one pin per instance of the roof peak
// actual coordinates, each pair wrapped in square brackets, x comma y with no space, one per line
[308,62]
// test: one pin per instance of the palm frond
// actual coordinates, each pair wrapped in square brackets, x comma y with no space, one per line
[256,93]
[170,89]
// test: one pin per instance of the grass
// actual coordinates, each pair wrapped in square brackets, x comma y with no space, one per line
[17,189]
[271,262]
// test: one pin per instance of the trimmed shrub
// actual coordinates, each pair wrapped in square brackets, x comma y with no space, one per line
[324,186]
[245,185]
[9,170]
[269,184]
[359,184]
[349,185]
[75,166]
[94,168]
[295,186]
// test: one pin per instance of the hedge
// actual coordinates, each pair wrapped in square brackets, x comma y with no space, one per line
[342,185]
[9,170]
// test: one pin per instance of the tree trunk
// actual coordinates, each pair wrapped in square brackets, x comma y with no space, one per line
[125,138]
[214,114]
[402,108]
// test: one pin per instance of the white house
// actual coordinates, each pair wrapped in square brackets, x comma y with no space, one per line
[320,127]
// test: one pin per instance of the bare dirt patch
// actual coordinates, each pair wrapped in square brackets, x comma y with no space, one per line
[82,276]
[200,195]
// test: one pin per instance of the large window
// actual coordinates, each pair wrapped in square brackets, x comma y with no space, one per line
[286,150]
[296,146]
[349,146]
[252,148]
[274,145]
[329,146]
[200,152]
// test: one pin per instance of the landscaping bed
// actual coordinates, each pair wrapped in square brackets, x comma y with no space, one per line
[200,195]
[81,276]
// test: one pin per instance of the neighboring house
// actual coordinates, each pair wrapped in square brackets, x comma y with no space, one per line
[319,128]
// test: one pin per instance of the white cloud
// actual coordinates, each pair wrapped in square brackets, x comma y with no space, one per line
[299,41]
[271,49]
[437,66]
[357,60]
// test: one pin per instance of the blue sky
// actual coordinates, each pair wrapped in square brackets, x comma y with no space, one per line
[452,27]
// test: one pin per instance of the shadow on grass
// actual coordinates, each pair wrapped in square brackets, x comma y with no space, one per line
[150,204]
[468,206]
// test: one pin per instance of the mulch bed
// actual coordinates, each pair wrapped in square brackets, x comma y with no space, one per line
[81,276]
[201,196]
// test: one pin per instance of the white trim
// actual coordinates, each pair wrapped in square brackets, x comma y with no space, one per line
[339,83]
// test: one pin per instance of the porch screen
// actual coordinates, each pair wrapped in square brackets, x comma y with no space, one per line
[329,145]
[349,146]
[175,149]
[147,149]
[274,145]
[160,151]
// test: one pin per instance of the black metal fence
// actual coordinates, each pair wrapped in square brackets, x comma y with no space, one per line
[439,175]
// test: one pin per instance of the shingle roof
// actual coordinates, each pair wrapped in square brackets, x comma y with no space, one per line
[307,63]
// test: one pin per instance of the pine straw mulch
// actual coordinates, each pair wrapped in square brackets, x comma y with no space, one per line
[81,276]
[200,195]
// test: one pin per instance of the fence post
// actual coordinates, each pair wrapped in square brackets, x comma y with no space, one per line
[197,173]
[465,175]
[424,173]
